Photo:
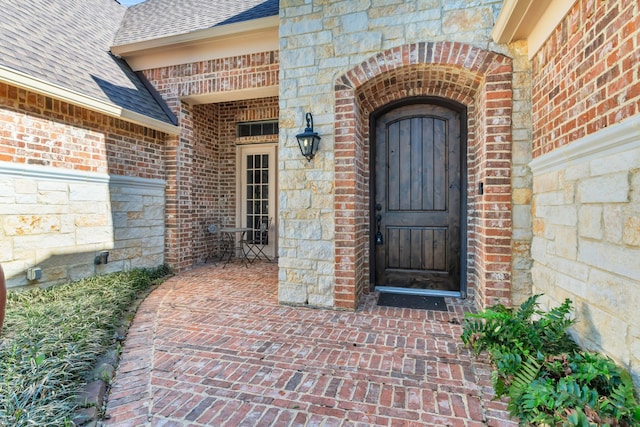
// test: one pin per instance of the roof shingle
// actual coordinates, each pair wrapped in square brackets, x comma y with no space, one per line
[155,19]
[67,43]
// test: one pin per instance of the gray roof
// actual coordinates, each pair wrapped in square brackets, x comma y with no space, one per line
[154,19]
[66,42]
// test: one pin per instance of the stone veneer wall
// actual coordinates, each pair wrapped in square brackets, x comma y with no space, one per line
[586,188]
[204,143]
[331,55]
[75,182]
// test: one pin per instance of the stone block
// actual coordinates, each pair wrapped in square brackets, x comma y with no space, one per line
[318,250]
[631,231]
[466,19]
[559,215]
[612,188]
[613,258]
[26,198]
[619,162]
[90,220]
[21,225]
[88,192]
[295,199]
[316,300]
[608,333]
[352,44]
[575,269]
[84,207]
[78,272]
[545,183]
[25,186]
[570,284]
[53,197]
[576,171]
[590,222]
[153,213]
[521,196]
[302,230]
[291,293]
[613,223]
[53,186]
[551,198]
[96,235]
[539,249]
[42,241]
[615,295]
[353,22]
[127,206]
[521,215]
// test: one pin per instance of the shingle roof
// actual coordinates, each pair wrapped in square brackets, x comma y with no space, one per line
[154,19]
[66,42]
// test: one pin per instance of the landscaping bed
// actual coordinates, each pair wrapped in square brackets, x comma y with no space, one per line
[547,378]
[58,343]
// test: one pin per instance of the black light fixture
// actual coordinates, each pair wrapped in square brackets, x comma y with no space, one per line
[308,140]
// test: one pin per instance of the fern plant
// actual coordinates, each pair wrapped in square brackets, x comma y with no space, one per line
[545,376]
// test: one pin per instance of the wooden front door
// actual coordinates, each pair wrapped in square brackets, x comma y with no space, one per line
[417,206]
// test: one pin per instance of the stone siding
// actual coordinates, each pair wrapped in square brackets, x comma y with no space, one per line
[586,207]
[340,61]
[75,183]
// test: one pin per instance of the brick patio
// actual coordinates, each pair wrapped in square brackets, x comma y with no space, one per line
[211,347]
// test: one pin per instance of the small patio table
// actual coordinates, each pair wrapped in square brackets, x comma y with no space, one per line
[232,238]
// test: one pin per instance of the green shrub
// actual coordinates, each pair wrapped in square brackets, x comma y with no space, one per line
[547,378]
[53,337]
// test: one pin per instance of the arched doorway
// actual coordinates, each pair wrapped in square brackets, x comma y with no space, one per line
[418,182]
[477,79]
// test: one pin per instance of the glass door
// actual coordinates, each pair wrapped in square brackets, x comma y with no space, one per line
[258,196]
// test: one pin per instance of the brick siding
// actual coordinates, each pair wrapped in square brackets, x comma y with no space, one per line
[585,77]
[39,130]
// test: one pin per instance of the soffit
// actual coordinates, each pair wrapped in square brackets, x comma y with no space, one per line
[531,20]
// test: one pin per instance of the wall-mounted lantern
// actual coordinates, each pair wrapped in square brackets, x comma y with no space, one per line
[308,140]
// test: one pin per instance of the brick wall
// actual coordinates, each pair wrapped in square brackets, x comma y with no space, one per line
[202,143]
[74,183]
[586,209]
[215,168]
[430,69]
[585,77]
[40,130]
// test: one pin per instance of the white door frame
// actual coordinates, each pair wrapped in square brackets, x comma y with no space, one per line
[271,149]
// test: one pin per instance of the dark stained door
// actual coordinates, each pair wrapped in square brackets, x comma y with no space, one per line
[418,198]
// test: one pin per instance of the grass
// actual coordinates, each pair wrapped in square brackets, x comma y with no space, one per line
[52,339]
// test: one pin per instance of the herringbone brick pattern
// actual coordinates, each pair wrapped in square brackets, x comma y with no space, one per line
[211,347]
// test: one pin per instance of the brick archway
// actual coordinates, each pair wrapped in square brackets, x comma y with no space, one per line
[478,79]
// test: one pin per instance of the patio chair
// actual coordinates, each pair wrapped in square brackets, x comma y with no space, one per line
[214,231]
[256,241]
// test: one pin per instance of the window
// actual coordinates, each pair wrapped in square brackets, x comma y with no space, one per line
[258,128]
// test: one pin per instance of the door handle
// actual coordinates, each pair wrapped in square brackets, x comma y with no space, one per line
[378,207]
[379,233]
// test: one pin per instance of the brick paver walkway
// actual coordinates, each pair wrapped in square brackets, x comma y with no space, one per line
[211,347]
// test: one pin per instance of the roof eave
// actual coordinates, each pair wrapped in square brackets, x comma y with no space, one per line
[531,20]
[25,81]
[197,36]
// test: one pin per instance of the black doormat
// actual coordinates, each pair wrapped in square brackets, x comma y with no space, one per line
[424,302]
